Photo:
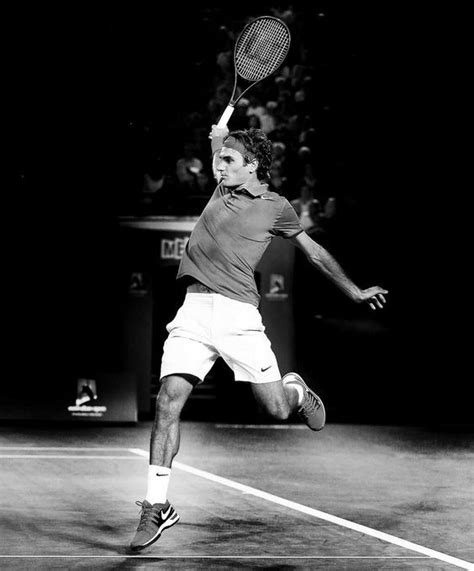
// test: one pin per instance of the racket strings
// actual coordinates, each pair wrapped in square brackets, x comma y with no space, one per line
[261,48]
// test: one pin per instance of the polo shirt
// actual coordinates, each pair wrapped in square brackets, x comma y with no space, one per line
[232,234]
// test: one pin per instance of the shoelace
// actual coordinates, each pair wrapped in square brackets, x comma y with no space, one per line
[310,406]
[148,514]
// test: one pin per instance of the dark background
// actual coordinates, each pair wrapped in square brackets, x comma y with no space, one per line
[81,85]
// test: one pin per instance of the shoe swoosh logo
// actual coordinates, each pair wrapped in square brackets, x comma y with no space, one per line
[164,515]
[263,369]
[162,474]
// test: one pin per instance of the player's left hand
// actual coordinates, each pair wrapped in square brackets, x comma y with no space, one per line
[374,297]
[216,131]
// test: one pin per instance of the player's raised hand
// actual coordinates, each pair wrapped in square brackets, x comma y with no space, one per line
[216,131]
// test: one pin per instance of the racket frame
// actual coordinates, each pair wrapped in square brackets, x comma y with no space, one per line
[233,100]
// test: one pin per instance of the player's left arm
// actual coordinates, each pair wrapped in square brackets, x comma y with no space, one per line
[217,136]
[327,265]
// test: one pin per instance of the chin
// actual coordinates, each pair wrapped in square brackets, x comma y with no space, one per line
[226,184]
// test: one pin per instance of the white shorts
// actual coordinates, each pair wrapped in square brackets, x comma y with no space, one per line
[209,325]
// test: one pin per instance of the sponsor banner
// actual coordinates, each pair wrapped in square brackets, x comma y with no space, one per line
[172,248]
[276,288]
[85,399]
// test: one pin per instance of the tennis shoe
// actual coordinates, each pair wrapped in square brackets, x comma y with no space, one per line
[311,410]
[154,519]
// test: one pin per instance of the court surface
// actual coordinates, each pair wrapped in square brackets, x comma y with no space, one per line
[250,496]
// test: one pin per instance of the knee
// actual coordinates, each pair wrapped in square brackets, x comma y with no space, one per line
[166,411]
[166,401]
[163,402]
[170,401]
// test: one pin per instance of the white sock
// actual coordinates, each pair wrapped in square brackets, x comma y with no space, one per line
[158,481]
[298,389]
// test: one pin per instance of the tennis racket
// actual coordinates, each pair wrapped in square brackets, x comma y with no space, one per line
[259,51]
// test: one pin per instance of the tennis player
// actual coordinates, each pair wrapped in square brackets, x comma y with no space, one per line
[220,317]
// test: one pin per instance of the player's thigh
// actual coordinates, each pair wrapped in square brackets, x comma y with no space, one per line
[183,356]
[246,348]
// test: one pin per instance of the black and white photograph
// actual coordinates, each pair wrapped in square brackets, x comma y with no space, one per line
[236,314]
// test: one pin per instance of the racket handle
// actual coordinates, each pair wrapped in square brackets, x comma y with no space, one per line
[225,116]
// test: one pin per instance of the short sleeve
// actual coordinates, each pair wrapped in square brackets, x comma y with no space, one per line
[287,225]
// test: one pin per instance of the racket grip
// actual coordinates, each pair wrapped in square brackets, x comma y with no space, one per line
[225,116]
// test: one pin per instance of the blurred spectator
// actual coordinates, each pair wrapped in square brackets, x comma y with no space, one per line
[283,96]
[159,193]
[308,209]
[218,102]
[254,122]
[308,137]
[308,87]
[309,178]
[255,106]
[239,117]
[225,70]
[279,154]
[285,13]
[316,212]
[268,120]
[278,182]
[225,64]
[189,170]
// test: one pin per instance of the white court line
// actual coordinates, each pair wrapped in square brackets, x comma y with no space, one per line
[63,448]
[265,426]
[208,557]
[68,457]
[319,514]
[65,456]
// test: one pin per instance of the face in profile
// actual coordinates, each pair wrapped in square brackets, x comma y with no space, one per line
[232,168]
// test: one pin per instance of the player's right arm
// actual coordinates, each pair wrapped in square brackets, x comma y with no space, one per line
[327,265]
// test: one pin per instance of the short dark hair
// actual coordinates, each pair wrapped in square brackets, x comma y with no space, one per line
[258,145]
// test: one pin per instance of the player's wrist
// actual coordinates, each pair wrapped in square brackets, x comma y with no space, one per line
[216,144]
[356,294]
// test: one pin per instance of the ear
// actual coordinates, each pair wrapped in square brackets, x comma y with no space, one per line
[253,166]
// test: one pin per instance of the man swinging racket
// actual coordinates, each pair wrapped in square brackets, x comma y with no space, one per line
[220,317]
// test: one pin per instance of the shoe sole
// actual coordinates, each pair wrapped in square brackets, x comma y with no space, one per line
[165,525]
[301,382]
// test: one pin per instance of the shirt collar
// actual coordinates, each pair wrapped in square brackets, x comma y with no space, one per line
[255,188]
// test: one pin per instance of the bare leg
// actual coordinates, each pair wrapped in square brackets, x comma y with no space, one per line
[277,399]
[157,513]
[165,434]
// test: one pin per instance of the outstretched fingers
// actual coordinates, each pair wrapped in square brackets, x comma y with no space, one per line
[374,297]
[377,301]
